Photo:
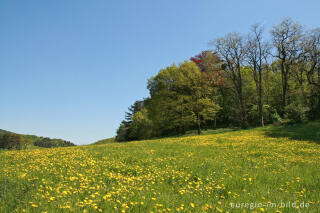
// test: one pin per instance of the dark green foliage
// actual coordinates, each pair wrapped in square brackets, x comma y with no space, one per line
[296,113]
[137,124]
[306,131]
[141,126]
[10,141]
[268,112]
[2,132]
[136,107]
[49,143]
[123,132]
[314,104]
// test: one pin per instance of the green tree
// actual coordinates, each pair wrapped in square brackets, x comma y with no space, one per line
[231,49]
[257,51]
[286,38]
[211,68]
[135,123]
[141,126]
[10,141]
[180,98]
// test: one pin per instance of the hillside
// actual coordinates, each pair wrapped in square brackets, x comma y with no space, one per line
[104,141]
[34,141]
[189,133]
[208,173]
[3,131]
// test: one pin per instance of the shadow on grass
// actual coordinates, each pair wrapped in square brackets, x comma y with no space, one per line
[210,131]
[307,132]
[187,134]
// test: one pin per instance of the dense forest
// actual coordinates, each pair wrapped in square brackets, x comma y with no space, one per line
[10,140]
[245,80]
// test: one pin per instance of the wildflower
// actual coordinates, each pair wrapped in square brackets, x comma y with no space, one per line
[218,209]
[34,205]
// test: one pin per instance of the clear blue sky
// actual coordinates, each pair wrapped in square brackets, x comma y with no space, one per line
[70,69]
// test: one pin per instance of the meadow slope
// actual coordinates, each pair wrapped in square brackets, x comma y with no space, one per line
[207,173]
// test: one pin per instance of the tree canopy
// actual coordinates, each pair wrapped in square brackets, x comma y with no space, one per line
[245,80]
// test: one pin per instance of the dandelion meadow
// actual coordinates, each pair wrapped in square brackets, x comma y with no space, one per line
[234,171]
[219,100]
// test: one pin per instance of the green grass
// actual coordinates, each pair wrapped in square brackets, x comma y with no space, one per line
[104,141]
[203,173]
[210,131]
[309,131]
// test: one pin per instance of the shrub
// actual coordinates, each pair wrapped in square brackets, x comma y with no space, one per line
[296,113]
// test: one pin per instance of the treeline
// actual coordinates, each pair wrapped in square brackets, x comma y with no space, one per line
[49,143]
[246,80]
[9,140]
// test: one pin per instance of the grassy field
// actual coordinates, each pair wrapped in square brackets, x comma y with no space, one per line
[104,141]
[261,169]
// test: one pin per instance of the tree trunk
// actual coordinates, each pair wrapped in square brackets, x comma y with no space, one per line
[243,114]
[318,113]
[261,111]
[284,87]
[199,129]
[318,87]
[260,99]
[260,105]
[284,93]
[303,94]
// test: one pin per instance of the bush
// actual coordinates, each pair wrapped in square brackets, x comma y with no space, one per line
[296,113]
[276,118]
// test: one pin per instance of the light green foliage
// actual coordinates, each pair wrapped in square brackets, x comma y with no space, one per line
[141,126]
[26,143]
[207,109]
[180,99]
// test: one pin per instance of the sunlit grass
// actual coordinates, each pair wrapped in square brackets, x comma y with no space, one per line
[185,174]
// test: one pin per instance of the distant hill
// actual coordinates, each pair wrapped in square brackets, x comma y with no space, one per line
[39,141]
[104,141]
[3,132]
